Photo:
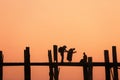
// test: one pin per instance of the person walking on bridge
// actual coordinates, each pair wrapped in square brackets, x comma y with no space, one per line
[61,51]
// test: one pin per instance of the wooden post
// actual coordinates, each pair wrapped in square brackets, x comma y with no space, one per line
[50,66]
[115,67]
[85,71]
[90,68]
[1,65]
[56,70]
[107,67]
[27,71]
[55,53]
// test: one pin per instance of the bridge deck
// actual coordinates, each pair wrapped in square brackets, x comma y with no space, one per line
[59,64]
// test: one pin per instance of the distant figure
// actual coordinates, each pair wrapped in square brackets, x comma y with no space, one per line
[84,57]
[62,50]
[70,54]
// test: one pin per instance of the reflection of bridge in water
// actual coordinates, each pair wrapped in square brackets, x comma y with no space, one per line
[54,69]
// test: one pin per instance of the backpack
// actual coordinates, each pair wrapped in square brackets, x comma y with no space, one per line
[60,49]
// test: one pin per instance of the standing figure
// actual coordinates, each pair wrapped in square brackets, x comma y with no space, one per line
[62,50]
[70,54]
[84,57]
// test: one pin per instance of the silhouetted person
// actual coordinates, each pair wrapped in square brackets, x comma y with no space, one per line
[84,57]
[62,50]
[70,54]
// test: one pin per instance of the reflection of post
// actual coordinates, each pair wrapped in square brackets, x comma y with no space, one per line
[90,68]
[50,66]
[27,72]
[55,53]
[115,68]
[1,66]
[107,67]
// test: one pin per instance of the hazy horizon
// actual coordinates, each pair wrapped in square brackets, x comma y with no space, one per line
[89,26]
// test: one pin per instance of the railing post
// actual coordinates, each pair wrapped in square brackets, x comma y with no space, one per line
[50,65]
[1,65]
[115,67]
[90,69]
[107,67]
[27,70]
[56,69]
[85,71]
[55,53]
[56,72]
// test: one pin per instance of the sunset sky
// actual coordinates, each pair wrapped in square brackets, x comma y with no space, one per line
[90,26]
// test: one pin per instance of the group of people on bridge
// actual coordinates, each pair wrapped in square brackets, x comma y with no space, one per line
[70,53]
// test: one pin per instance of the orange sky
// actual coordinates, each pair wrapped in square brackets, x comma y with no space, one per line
[90,26]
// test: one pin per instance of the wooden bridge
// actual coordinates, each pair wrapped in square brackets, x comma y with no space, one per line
[54,69]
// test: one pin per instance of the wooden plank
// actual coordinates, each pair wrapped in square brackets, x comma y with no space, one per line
[77,64]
